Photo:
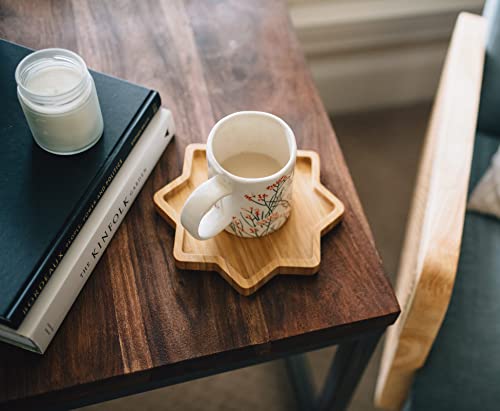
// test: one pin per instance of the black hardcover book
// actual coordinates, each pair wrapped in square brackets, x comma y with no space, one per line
[44,198]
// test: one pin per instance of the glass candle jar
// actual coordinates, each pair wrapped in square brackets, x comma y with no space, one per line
[59,99]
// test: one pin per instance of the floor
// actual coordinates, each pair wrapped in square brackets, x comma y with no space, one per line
[382,150]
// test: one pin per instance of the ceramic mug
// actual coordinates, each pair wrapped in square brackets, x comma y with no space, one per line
[251,158]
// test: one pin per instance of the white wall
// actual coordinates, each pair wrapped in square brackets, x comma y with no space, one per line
[367,54]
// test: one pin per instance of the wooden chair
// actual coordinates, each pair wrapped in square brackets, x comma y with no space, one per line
[432,246]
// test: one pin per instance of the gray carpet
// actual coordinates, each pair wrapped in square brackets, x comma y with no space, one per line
[382,150]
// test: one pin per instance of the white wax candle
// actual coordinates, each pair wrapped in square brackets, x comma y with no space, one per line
[53,80]
[59,100]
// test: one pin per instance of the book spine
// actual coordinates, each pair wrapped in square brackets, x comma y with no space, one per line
[44,271]
[43,321]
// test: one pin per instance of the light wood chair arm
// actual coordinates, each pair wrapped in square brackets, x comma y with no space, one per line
[432,245]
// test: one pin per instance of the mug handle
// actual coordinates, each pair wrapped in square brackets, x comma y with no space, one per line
[199,216]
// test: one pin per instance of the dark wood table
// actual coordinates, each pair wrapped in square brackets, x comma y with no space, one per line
[140,323]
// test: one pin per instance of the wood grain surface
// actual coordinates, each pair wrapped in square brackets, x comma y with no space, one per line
[140,322]
[434,232]
[245,263]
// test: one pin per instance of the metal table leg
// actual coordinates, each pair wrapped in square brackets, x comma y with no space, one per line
[345,372]
[302,385]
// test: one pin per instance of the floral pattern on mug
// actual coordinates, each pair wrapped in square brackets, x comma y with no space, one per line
[266,212]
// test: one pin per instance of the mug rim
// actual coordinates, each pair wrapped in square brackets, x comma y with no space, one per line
[290,137]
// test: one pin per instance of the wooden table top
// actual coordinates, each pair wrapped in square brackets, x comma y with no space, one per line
[140,322]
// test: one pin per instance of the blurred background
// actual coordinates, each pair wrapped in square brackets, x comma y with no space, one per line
[371,54]
[376,64]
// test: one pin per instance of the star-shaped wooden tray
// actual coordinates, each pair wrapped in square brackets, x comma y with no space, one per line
[247,264]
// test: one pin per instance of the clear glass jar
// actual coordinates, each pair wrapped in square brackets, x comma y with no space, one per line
[59,99]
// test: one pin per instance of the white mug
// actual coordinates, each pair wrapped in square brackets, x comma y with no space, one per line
[251,159]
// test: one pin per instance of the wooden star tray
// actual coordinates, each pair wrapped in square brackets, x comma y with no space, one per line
[247,263]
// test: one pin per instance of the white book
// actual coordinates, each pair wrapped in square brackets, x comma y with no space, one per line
[42,321]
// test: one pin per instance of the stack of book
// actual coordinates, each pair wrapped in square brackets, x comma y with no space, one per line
[59,213]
